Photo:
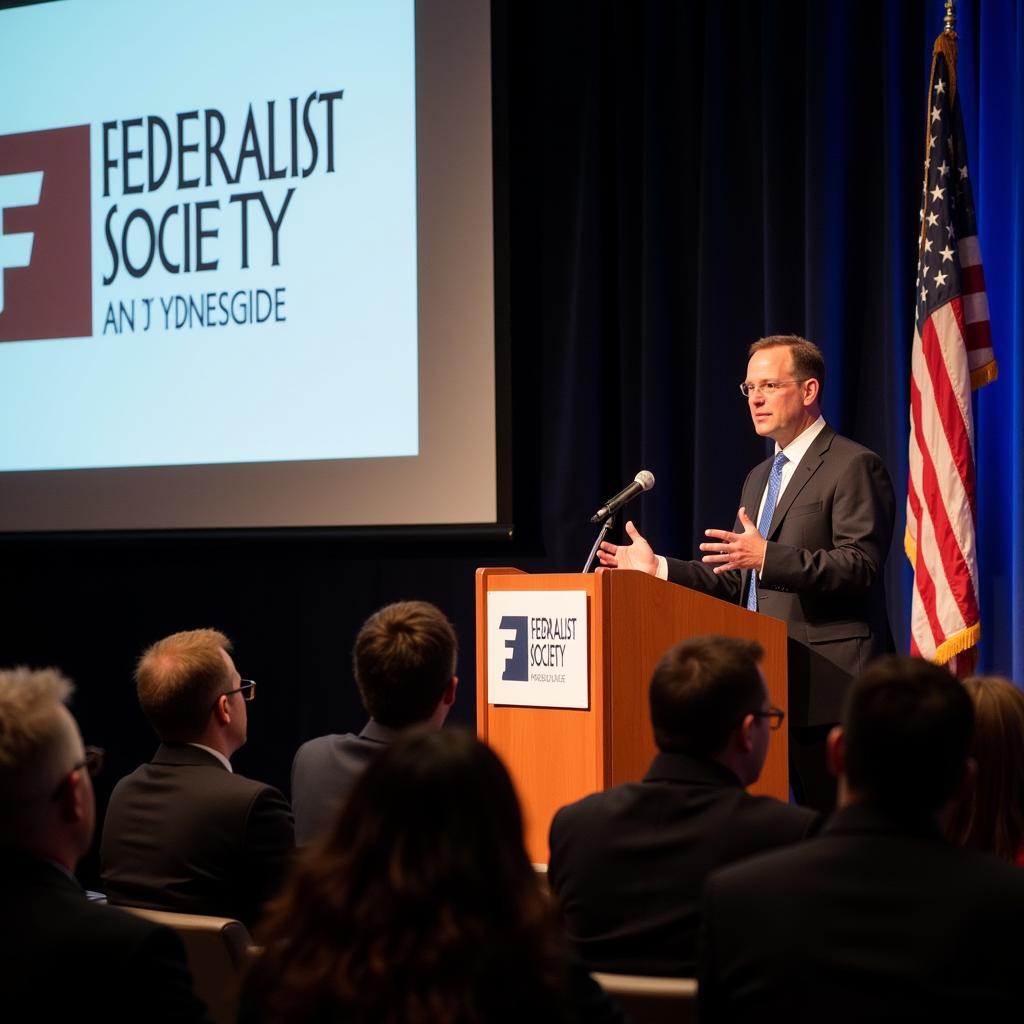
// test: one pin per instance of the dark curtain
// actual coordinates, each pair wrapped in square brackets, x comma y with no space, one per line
[992,83]
[673,180]
[713,173]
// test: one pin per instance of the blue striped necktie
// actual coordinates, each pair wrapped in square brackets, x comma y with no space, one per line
[765,520]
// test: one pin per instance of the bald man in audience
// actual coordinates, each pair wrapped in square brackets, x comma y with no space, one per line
[184,832]
[878,918]
[628,864]
[63,958]
[404,664]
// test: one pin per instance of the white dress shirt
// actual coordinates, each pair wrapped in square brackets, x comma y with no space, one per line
[216,753]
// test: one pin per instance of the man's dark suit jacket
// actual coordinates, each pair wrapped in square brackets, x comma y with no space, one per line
[827,545]
[63,958]
[324,772]
[872,920]
[182,833]
[628,864]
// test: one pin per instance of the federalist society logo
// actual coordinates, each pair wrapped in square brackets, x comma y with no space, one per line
[540,642]
[182,194]
[537,648]
[45,244]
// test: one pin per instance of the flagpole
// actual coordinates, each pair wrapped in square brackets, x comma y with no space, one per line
[949,24]
[945,43]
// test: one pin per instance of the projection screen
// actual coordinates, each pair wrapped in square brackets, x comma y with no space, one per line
[246,265]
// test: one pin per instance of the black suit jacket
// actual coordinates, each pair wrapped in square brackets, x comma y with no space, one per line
[182,833]
[873,920]
[63,958]
[827,545]
[324,772]
[628,864]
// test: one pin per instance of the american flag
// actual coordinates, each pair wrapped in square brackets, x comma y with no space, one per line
[952,354]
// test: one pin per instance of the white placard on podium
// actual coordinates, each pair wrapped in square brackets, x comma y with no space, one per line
[537,652]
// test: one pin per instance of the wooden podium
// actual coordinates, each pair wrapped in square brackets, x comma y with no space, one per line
[557,755]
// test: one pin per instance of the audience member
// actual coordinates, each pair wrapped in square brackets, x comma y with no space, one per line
[63,958]
[878,918]
[418,903]
[628,864]
[989,815]
[185,833]
[404,663]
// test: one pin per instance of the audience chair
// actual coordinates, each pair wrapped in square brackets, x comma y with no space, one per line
[217,949]
[541,871]
[652,1000]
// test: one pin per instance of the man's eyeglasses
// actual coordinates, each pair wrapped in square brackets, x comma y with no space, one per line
[92,762]
[767,387]
[775,717]
[247,690]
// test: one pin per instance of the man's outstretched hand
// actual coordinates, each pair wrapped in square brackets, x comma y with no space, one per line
[637,555]
[735,550]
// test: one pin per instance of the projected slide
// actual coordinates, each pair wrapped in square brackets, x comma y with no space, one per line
[208,244]
[247,266]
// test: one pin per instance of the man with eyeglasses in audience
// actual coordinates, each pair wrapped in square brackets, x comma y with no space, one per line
[61,956]
[628,864]
[184,832]
[808,546]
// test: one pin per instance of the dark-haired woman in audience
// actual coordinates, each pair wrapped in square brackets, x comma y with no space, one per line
[990,814]
[419,906]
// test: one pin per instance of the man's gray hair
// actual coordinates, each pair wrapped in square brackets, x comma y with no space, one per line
[38,741]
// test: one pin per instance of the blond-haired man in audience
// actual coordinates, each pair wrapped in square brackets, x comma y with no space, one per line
[184,832]
[67,958]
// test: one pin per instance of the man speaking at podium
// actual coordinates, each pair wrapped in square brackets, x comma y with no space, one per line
[809,545]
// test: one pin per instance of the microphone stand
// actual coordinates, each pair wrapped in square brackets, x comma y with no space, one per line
[605,527]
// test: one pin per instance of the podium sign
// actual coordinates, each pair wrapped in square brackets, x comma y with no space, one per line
[537,649]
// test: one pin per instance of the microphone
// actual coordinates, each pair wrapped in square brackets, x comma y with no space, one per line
[643,481]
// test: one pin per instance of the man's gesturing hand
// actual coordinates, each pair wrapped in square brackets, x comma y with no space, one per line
[637,555]
[736,550]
